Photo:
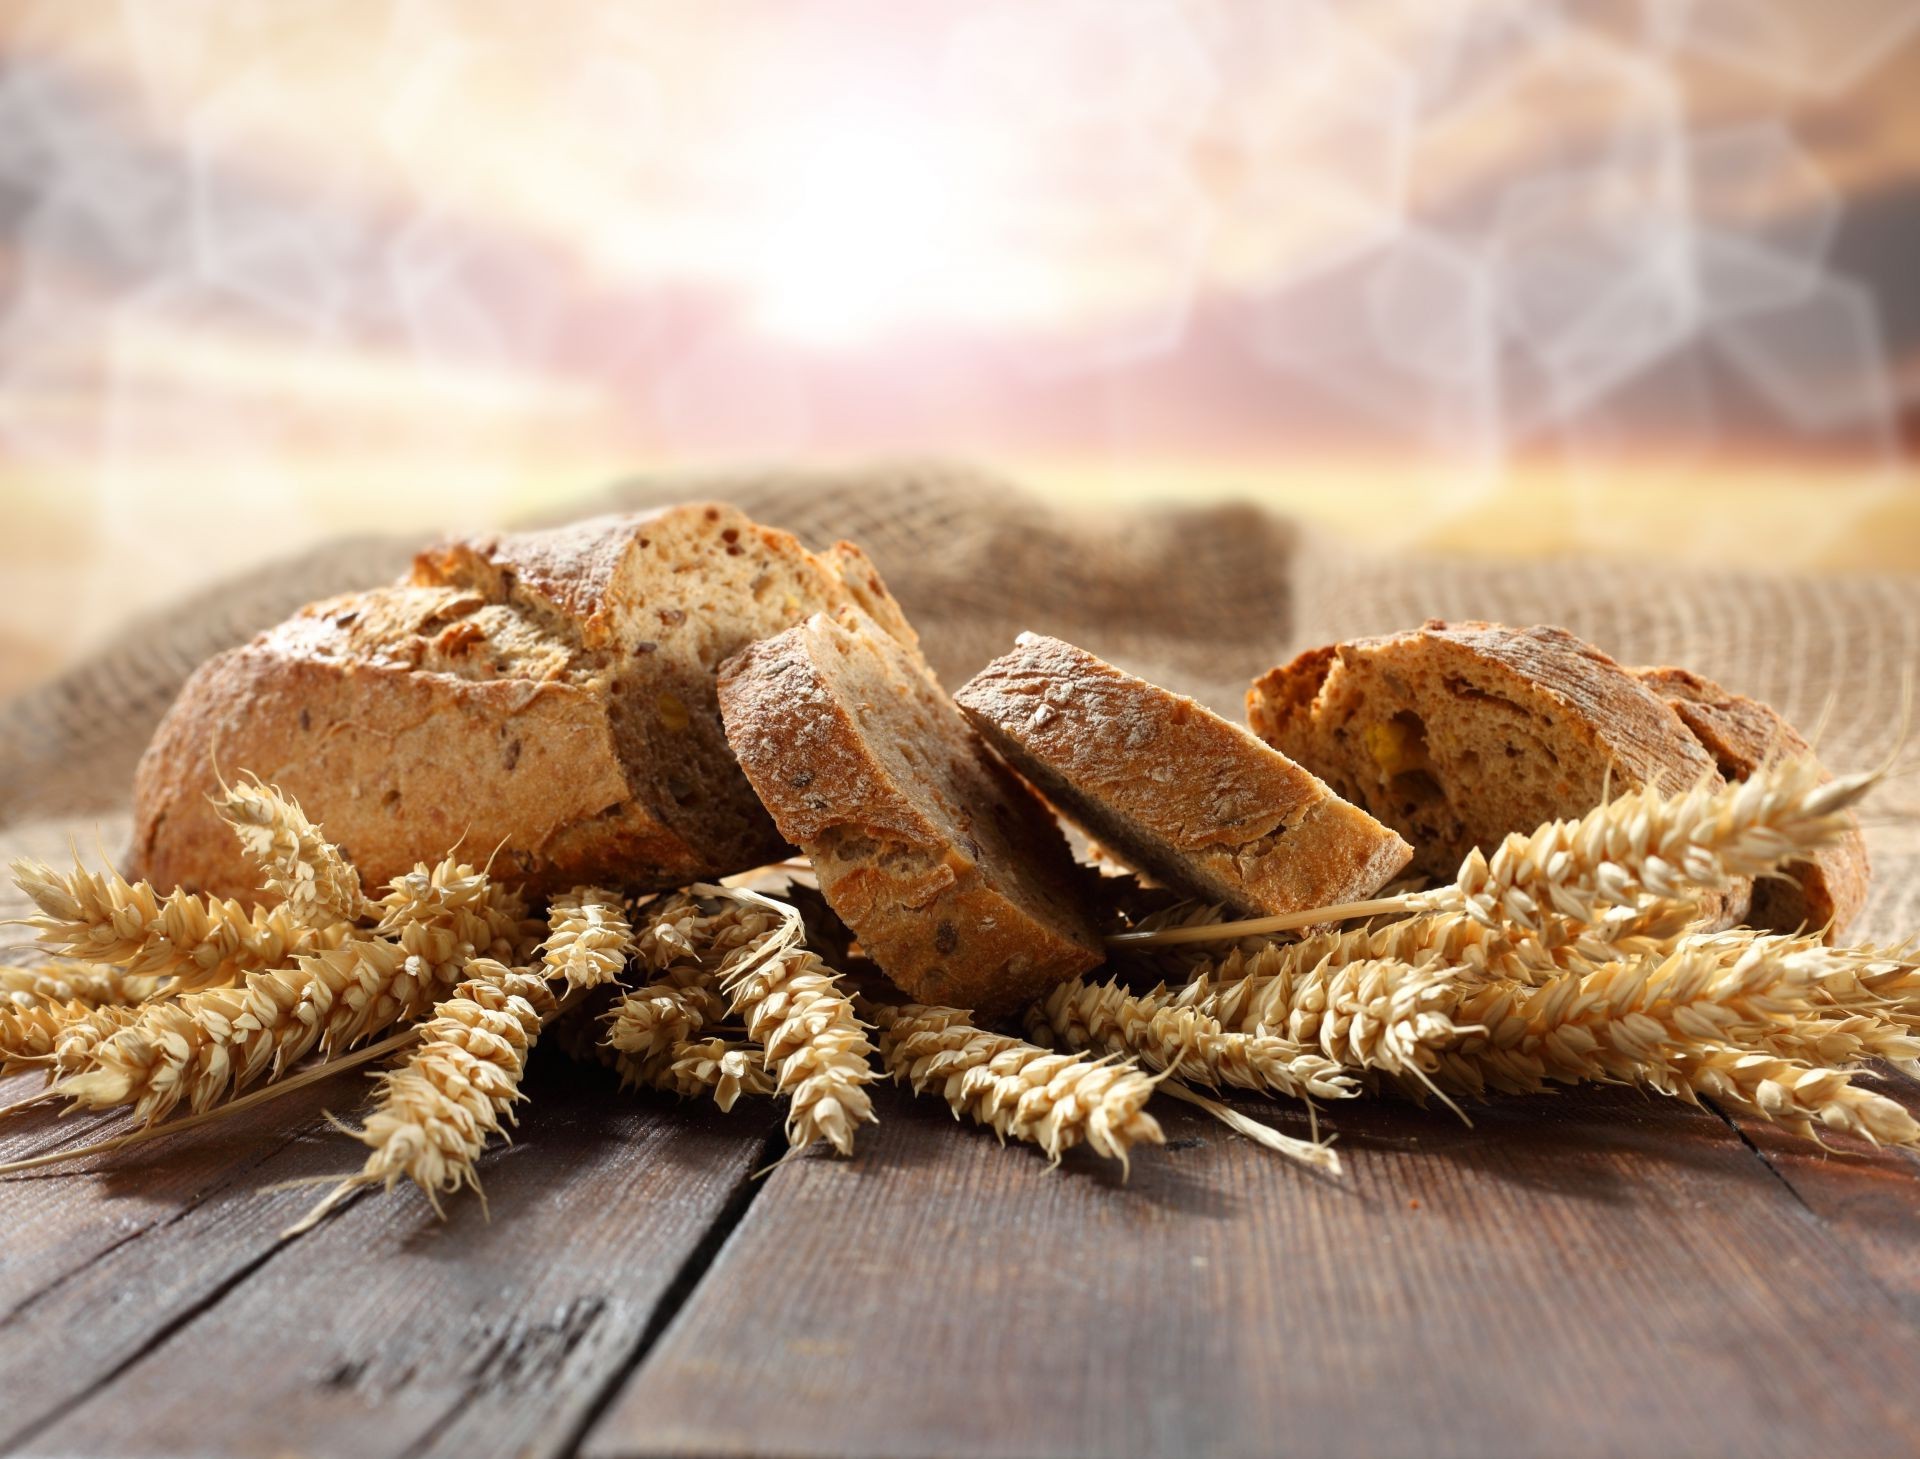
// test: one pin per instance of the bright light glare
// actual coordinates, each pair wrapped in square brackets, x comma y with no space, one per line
[861,237]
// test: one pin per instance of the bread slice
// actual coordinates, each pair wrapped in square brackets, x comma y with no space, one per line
[1743,734]
[1174,790]
[546,698]
[956,879]
[1457,734]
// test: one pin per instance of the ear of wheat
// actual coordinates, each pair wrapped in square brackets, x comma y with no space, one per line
[195,941]
[201,1047]
[297,864]
[1797,1096]
[98,985]
[456,1089]
[1018,1090]
[726,1069]
[589,937]
[649,1022]
[58,1037]
[795,1011]
[1153,1028]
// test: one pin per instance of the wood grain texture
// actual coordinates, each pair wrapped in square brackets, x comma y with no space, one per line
[383,1331]
[1600,1273]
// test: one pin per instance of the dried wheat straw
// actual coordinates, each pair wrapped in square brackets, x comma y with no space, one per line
[1151,1027]
[196,941]
[457,1088]
[297,863]
[589,937]
[1017,1089]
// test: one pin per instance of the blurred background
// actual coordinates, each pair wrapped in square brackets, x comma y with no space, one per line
[1502,276]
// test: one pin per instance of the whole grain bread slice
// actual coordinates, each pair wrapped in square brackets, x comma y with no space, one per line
[956,879]
[1742,734]
[547,696]
[1457,734]
[1174,790]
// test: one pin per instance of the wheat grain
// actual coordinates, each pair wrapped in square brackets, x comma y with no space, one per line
[297,863]
[1155,1029]
[98,985]
[1018,1089]
[456,1089]
[589,937]
[195,941]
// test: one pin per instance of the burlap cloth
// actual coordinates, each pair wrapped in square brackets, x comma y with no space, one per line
[1201,599]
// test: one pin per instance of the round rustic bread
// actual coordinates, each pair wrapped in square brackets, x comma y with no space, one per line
[956,879]
[543,698]
[1457,734]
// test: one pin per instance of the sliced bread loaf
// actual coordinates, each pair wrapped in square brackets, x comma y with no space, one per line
[1457,734]
[1173,789]
[549,694]
[1743,734]
[954,876]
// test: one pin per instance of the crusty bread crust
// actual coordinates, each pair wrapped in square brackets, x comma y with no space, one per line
[544,698]
[1742,734]
[957,881]
[1173,789]
[1504,728]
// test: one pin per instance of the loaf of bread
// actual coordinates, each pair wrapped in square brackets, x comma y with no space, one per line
[954,876]
[1457,734]
[544,698]
[1742,734]
[1174,790]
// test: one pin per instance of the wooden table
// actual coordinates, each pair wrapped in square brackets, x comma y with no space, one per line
[1598,1273]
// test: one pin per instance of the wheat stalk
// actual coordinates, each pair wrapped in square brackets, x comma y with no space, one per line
[1017,1089]
[297,864]
[201,1047]
[456,1089]
[196,941]
[96,985]
[1622,877]
[795,1011]
[1153,1028]
[589,937]
[1786,1092]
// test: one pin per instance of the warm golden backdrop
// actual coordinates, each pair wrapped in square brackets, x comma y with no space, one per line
[1510,275]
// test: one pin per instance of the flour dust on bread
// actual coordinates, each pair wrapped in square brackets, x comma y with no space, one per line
[1457,734]
[954,876]
[1174,790]
[1826,891]
[550,694]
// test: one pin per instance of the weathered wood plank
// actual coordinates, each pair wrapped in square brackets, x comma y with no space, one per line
[384,1331]
[1868,1199]
[1599,1273]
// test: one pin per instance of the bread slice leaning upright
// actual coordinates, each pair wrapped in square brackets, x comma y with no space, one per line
[956,879]
[1174,790]
[1457,734]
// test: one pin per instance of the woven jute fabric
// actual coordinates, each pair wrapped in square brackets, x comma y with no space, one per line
[1201,599]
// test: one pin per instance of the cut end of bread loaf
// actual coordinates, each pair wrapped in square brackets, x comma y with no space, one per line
[955,878]
[1457,734]
[1174,790]
[1742,734]
[547,693]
